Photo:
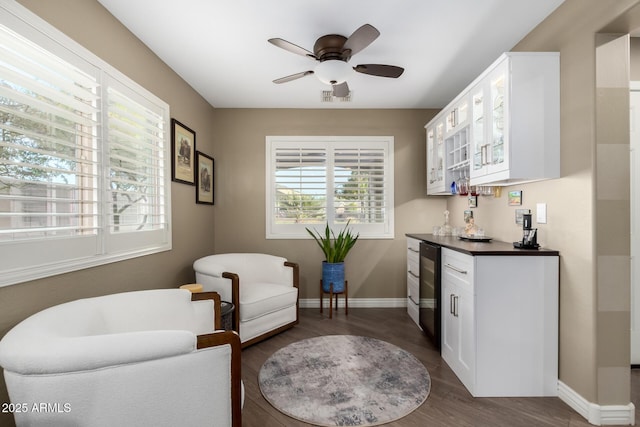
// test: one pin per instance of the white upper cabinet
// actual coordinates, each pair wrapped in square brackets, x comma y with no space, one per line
[503,129]
[516,120]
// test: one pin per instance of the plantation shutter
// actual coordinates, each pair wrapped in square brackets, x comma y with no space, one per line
[136,165]
[300,184]
[313,180]
[48,150]
[360,188]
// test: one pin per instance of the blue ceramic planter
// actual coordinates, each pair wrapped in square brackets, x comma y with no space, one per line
[333,273]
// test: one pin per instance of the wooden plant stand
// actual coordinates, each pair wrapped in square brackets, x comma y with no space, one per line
[331,294]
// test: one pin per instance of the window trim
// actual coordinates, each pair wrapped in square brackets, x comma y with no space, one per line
[101,250]
[298,231]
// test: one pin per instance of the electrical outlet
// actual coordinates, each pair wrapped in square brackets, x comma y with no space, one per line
[541,213]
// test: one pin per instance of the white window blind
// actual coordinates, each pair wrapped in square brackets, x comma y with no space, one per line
[136,166]
[48,152]
[300,184]
[83,155]
[315,180]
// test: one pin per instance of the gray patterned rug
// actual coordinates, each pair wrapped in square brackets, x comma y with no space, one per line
[344,380]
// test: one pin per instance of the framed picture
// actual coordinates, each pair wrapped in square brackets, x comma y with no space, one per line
[515,198]
[204,178]
[467,216]
[519,215]
[473,201]
[183,149]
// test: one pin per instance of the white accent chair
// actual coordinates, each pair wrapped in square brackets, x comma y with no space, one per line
[263,288]
[143,358]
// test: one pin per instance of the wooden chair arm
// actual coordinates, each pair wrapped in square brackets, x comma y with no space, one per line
[232,339]
[296,284]
[296,272]
[217,307]
[235,296]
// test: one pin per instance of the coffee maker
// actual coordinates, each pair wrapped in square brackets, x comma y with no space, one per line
[529,235]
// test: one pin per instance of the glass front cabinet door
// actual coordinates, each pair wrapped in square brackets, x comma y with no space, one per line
[435,158]
[478,134]
[498,105]
[457,116]
[489,136]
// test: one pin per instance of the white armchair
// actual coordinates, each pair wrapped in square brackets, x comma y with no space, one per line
[144,358]
[263,288]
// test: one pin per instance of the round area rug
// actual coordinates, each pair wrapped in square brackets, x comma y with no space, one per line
[344,380]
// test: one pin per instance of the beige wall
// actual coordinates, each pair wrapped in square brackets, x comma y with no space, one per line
[374,268]
[93,27]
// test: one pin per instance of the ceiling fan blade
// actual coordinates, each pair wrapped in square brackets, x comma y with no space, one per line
[380,70]
[292,77]
[361,38]
[341,90]
[281,43]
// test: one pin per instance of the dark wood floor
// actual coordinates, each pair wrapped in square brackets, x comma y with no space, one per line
[449,403]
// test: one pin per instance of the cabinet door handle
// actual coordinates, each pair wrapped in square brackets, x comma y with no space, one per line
[451,296]
[413,274]
[414,250]
[485,154]
[455,306]
[456,269]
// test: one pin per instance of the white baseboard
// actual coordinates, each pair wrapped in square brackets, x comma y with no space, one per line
[356,302]
[599,415]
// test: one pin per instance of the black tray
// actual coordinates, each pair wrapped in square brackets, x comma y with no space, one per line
[472,238]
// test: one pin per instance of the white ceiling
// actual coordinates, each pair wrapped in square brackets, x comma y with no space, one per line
[220,46]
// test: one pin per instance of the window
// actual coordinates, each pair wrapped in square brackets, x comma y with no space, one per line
[315,180]
[83,155]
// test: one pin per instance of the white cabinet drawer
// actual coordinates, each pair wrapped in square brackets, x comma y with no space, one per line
[413,246]
[412,310]
[413,269]
[458,268]
[413,292]
[413,278]
[413,298]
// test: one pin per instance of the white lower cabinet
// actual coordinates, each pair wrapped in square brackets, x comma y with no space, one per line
[500,323]
[457,314]
[413,279]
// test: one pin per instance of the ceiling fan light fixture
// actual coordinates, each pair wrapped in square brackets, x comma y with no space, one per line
[333,71]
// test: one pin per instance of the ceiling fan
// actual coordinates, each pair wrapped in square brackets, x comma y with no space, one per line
[334,51]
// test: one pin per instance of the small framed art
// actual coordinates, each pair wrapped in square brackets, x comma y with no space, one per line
[467,216]
[515,198]
[204,178]
[473,201]
[183,149]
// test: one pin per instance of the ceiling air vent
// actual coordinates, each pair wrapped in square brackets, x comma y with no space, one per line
[327,96]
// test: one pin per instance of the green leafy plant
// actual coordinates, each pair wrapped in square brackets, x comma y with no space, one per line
[335,248]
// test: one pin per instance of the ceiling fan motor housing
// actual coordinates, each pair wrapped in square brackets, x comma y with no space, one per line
[330,47]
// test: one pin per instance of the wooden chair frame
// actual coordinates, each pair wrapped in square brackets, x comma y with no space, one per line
[232,339]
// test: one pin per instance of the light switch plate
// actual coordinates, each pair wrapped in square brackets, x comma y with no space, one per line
[541,213]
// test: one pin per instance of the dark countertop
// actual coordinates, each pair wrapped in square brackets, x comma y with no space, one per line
[495,247]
